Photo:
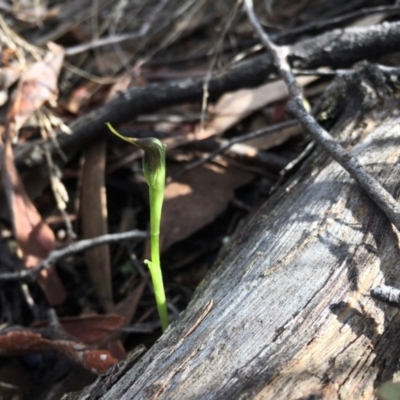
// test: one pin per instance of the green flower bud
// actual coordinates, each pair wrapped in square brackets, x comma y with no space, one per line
[153,160]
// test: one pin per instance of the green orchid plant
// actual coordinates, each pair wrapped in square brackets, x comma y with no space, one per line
[154,174]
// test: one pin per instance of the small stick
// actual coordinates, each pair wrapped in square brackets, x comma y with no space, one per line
[387,294]
[77,247]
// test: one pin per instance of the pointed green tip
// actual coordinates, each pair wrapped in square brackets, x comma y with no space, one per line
[127,139]
[153,160]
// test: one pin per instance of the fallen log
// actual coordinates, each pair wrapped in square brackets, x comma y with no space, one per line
[287,313]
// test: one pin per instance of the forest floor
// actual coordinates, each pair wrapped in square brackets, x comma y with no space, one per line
[68,314]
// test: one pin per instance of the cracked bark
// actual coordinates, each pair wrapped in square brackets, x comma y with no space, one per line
[287,314]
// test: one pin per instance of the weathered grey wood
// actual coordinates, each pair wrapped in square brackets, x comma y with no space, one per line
[288,314]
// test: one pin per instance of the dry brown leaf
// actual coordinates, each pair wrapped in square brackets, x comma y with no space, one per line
[24,341]
[94,221]
[8,76]
[233,107]
[127,307]
[81,97]
[50,283]
[91,329]
[38,85]
[116,349]
[94,330]
[34,236]
[97,93]
[106,63]
[127,310]
[33,13]
[196,198]
[119,86]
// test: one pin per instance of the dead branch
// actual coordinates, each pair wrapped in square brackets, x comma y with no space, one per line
[374,189]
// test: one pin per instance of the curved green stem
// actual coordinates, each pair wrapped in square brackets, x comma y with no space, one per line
[156,201]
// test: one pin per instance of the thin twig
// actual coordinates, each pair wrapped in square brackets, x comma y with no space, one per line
[81,48]
[238,139]
[217,49]
[382,198]
[293,164]
[387,294]
[82,245]
[322,72]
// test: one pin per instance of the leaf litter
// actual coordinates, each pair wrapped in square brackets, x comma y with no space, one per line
[75,59]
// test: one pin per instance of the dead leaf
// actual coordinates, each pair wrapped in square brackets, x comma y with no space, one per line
[24,341]
[196,198]
[127,307]
[37,85]
[81,97]
[116,349]
[233,107]
[33,13]
[97,93]
[8,76]
[93,329]
[89,94]
[50,283]
[94,221]
[119,86]
[34,236]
